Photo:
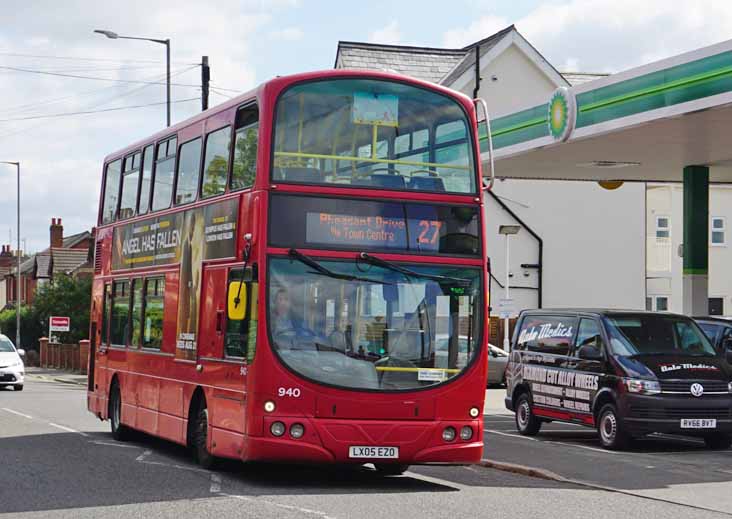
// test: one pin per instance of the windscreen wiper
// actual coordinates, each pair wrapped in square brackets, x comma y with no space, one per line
[373,260]
[320,269]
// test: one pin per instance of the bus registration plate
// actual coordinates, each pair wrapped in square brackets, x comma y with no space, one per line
[698,423]
[373,452]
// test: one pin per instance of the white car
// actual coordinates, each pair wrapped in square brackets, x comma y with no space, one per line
[12,369]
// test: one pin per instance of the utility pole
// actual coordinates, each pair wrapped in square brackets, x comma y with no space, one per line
[205,78]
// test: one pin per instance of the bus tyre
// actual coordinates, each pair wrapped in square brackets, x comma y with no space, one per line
[526,422]
[120,432]
[18,387]
[613,435]
[200,439]
[391,469]
[718,441]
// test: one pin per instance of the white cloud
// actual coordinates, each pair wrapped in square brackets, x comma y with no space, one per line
[479,29]
[388,34]
[62,157]
[610,35]
[287,34]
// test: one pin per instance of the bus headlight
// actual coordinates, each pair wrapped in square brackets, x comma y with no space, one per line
[449,434]
[277,428]
[466,432]
[474,412]
[269,406]
[297,430]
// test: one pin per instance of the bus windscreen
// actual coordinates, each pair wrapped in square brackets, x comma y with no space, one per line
[340,223]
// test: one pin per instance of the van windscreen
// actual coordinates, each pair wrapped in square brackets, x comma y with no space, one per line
[651,334]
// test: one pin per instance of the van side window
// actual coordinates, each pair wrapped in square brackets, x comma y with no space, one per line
[547,334]
[588,334]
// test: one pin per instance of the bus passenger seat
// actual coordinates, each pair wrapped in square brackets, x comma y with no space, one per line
[388,181]
[427,183]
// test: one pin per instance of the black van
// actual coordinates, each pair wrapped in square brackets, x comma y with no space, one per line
[625,373]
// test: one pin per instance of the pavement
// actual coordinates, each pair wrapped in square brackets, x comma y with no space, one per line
[56,375]
[60,461]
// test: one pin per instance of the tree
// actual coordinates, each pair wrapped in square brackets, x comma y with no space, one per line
[30,328]
[65,296]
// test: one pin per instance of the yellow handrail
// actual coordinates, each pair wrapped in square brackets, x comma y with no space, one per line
[367,159]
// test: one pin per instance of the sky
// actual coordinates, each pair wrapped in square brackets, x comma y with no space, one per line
[248,42]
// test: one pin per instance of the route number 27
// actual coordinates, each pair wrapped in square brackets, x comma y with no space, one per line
[294,392]
[429,231]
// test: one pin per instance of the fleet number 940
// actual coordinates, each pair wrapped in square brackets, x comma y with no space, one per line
[294,392]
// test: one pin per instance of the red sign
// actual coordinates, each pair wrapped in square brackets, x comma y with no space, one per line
[59,324]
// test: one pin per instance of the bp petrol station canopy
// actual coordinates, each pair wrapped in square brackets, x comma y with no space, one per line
[644,124]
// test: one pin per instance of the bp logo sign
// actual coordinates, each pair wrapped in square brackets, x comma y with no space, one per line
[562,114]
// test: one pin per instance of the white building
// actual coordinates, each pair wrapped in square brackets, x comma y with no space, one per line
[664,228]
[580,245]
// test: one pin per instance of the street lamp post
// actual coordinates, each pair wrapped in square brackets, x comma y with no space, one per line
[17,276]
[507,231]
[114,36]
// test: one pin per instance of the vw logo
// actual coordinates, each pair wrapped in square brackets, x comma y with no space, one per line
[697,390]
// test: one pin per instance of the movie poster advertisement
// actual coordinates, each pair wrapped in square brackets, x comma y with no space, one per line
[188,238]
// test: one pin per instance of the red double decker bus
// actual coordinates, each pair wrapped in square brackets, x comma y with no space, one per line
[298,274]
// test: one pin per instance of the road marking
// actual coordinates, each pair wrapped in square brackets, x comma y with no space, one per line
[18,413]
[111,444]
[492,431]
[67,429]
[300,509]
[142,456]
[215,484]
[512,435]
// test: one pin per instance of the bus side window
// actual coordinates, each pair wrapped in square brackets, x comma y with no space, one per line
[146,181]
[164,172]
[240,339]
[189,168]
[119,329]
[216,162]
[111,191]
[130,184]
[244,166]
[152,313]
[106,313]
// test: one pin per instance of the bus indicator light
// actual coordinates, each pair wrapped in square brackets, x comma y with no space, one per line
[449,434]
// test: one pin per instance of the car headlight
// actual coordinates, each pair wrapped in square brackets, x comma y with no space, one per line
[641,386]
[729,387]
[17,364]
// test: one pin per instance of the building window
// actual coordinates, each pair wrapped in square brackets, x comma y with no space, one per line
[120,320]
[663,227]
[649,304]
[661,304]
[152,330]
[719,224]
[164,172]
[189,167]
[716,306]
[245,147]
[216,162]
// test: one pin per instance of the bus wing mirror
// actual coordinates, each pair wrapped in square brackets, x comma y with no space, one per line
[236,302]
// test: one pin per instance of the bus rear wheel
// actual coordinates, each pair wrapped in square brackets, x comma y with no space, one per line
[200,439]
[120,432]
[391,469]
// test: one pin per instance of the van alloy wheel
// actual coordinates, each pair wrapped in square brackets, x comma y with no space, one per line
[527,423]
[611,429]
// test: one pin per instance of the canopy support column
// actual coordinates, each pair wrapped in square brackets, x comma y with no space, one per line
[696,241]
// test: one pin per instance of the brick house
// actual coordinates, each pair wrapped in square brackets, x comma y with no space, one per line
[65,255]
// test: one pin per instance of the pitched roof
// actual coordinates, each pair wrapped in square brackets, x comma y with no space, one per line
[66,260]
[579,78]
[43,266]
[468,61]
[425,63]
[74,239]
